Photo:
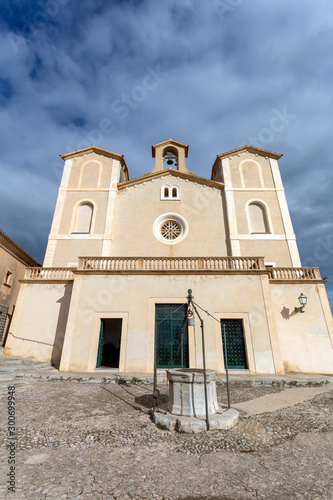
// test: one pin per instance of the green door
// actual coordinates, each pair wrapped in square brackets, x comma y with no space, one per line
[168,333]
[100,345]
[235,343]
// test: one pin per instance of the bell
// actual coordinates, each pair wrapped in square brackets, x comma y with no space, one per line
[170,161]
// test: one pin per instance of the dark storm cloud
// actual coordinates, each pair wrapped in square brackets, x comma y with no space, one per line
[127,74]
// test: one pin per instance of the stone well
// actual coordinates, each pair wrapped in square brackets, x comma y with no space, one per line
[187,394]
[186,410]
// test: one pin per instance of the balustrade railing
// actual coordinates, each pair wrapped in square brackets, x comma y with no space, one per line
[49,273]
[188,264]
[293,273]
[171,263]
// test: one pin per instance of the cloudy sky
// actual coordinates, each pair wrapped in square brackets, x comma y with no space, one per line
[127,74]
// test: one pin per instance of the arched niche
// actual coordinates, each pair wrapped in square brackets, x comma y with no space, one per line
[83,218]
[90,174]
[258,218]
[251,174]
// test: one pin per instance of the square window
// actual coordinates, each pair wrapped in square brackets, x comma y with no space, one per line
[8,279]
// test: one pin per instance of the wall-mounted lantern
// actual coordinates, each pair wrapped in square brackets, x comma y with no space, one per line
[190,318]
[302,300]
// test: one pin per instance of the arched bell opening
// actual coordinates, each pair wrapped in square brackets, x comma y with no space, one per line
[170,158]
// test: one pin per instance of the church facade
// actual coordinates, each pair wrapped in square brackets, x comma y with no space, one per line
[122,254]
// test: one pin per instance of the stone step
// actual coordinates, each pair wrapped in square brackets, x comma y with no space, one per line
[43,366]
[6,376]
[23,367]
[16,361]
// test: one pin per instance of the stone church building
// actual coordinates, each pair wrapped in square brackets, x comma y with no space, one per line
[123,252]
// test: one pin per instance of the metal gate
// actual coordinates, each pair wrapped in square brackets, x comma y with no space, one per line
[235,343]
[168,331]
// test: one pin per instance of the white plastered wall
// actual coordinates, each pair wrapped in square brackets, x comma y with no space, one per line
[136,295]
[39,323]
[306,339]
[270,182]
[103,196]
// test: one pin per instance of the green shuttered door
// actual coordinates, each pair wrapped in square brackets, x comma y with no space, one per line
[168,327]
[235,343]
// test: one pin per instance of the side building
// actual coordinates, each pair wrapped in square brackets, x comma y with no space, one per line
[13,263]
[122,254]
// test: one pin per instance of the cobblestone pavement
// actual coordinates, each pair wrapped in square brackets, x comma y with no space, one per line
[96,441]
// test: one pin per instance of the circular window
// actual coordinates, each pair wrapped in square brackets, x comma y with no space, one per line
[170,228]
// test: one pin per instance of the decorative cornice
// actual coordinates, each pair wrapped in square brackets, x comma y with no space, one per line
[175,173]
[295,281]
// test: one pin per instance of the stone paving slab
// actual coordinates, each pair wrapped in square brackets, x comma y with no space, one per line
[285,398]
[97,441]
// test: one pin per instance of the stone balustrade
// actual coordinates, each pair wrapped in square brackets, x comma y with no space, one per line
[293,273]
[174,264]
[49,273]
[171,264]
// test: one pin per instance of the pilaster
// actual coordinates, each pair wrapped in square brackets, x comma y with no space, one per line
[71,328]
[272,328]
[231,211]
[326,309]
[49,254]
[111,208]
[288,227]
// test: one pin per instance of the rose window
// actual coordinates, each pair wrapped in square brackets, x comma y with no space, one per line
[170,230]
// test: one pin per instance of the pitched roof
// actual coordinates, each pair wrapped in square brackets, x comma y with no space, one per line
[97,150]
[246,149]
[176,173]
[24,255]
[170,141]
[251,149]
